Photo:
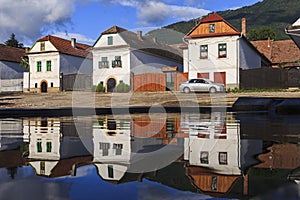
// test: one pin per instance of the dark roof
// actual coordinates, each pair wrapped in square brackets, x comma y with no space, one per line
[213,17]
[64,46]
[11,54]
[282,51]
[145,43]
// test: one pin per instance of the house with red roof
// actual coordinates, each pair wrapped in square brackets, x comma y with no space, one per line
[118,54]
[11,73]
[56,64]
[216,50]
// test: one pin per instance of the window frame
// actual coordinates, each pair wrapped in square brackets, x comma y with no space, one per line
[110,40]
[39,66]
[222,47]
[204,50]
[103,63]
[42,46]
[48,65]
[223,158]
[117,63]
[204,157]
[212,28]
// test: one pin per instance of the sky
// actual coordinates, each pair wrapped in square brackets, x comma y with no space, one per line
[86,19]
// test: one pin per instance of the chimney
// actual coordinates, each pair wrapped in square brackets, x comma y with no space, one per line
[155,40]
[140,35]
[244,30]
[73,42]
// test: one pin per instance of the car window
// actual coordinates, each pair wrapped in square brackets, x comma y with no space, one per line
[192,81]
[201,81]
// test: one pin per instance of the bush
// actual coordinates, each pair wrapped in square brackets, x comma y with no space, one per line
[100,88]
[122,87]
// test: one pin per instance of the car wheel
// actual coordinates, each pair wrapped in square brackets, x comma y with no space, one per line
[212,90]
[186,90]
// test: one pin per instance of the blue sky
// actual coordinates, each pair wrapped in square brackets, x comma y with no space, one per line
[86,19]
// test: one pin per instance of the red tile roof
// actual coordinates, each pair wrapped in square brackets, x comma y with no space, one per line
[114,29]
[282,51]
[214,17]
[11,54]
[64,46]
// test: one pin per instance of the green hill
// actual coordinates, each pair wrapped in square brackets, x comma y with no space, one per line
[276,14]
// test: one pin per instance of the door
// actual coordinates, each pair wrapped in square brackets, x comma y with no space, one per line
[44,87]
[220,77]
[203,75]
[111,84]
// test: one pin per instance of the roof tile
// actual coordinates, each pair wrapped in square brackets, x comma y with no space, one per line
[11,54]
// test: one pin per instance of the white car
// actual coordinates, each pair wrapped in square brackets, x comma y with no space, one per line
[201,85]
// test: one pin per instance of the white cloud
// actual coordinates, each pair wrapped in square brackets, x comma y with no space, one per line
[153,12]
[79,37]
[26,18]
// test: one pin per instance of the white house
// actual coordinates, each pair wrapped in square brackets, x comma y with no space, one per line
[51,60]
[217,51]
[118,53]
[11,73]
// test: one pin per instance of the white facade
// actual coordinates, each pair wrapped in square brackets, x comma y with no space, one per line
[239,55]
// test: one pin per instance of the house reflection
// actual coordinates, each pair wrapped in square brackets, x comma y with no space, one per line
[52,152]
[124,144]
[216,154]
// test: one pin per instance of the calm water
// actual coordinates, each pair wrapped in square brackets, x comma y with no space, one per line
[157,156]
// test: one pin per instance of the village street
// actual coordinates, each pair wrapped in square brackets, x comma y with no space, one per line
[89,99]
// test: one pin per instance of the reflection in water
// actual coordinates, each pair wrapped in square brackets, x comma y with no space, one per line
[216,154]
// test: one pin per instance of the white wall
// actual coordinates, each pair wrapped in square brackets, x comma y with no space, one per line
[117,40]
[105,73]
[37,47]
[49,76]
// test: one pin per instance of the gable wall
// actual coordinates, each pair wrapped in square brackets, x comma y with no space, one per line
[220,27]
[117,40]
[37,47]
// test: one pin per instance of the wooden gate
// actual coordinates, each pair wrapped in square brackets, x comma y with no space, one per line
[149,82]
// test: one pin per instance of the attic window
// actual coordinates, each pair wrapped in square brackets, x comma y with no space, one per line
[42,46]
[109,40]
[212,28]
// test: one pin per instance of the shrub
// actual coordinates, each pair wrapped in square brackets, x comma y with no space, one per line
[122,87]
[100,88]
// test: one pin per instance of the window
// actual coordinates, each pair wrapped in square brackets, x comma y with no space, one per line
[212,28]
[222,50]
[51,84]
[117,62]
[49,65]
[39,146]
[214,181]
[110,171]
[39,66]
[203,51]
[109,40]
[42,167]
[118,148]
[223,158]
[42,47]
[103,63]
[204,157]
[49,146]
[104,147]
[35,85]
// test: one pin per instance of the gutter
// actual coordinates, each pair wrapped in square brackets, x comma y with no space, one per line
[238,60]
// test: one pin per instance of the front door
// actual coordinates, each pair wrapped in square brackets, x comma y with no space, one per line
[44,86]
[111,84]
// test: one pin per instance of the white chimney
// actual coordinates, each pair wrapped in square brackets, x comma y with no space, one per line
[73,42]
[140,35]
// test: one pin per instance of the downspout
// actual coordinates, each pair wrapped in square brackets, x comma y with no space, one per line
[188,58]
[238,61]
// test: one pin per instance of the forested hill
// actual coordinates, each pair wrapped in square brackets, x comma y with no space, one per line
[275,14]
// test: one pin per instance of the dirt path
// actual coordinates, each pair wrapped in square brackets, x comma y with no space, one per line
[88,99]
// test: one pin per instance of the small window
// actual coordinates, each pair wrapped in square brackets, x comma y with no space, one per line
[49,65]
[212,28]
[203,51]
[214,182]
[110,171]
[39,146]
[117,62]
[222,50]
[204,157]
[109,40]
[118,149]
[103,63]
[223,158]
[51,84]
[49,146]
[42,167]
[35,85]
[38,66]
[42,47]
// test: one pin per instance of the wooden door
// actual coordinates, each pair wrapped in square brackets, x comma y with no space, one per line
[220,77]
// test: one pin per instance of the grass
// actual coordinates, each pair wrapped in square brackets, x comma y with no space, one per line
[236,90]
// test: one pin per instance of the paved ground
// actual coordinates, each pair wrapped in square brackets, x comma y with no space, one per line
[88,99]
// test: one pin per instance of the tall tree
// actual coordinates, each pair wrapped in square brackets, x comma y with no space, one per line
[13,42]
[262,33]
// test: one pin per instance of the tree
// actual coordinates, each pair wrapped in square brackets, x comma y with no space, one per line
[262,33]
[13,42]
